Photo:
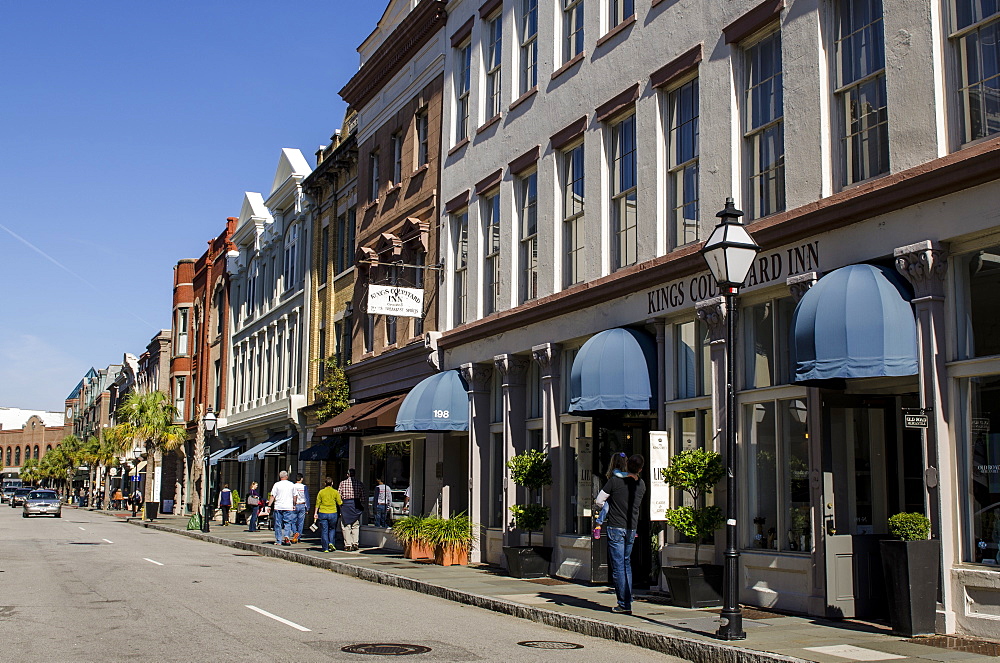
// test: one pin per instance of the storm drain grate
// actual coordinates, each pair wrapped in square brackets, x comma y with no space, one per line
[550,644]
[548,581]
[84,543]
[954,643]
[385,649]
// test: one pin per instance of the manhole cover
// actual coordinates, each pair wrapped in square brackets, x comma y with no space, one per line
[84,543]
[385,649]
[550,644]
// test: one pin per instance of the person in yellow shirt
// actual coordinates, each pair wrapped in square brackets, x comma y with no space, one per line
[327,509]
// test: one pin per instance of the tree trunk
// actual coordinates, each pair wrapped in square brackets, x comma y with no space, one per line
[107,487]
[150,473]
[198,467]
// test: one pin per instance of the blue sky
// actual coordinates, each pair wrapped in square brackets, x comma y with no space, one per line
[128,133]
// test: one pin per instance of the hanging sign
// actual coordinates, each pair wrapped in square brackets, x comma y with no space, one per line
[915,420]
[393,300]
[659,458]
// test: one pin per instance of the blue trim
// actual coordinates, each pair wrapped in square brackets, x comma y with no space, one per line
[614,370]
[437,403]
[219,455]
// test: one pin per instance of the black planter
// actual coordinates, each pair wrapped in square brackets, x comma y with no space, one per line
[911,570]
[151,509]
[528,561]
[694,586]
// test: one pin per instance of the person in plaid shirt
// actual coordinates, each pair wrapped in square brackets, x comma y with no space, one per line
[353,493]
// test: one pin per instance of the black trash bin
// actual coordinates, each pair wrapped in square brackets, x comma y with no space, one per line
[151,509]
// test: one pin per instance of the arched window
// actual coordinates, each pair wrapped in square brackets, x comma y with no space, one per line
[291,256]
[8,456]
[48,448]
[36,452]
[17,456]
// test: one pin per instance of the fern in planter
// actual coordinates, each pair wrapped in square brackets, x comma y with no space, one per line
[455,532]
[532,470]
[695,472]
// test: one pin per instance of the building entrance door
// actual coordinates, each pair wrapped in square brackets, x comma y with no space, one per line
[870,464]
[616,435]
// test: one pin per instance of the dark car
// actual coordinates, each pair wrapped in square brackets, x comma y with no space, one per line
[42,503]
[8,492]
[17,499]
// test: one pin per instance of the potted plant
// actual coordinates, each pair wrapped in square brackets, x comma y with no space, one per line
[531,470]
[412,534]
[695,472]
[452,539]
[911,565]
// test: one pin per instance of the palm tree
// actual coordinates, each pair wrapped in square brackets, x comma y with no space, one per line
[147,418]
[111,448]
[30,471]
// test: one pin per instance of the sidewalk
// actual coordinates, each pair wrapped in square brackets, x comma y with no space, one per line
[585,609]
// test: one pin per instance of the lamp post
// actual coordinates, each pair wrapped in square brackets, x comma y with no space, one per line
[210,422]
[730,252]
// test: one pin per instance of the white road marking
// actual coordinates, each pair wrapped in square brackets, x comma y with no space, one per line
[855,653]
[153,561]
[106,541]
[277,618]
[83,529]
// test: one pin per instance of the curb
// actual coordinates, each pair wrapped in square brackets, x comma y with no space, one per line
[699,651]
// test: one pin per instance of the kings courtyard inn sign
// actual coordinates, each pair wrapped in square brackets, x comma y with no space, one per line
[393,300]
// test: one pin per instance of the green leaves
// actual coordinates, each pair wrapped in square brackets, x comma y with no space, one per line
[531,469]
[530,517]
[695,471]
[695,523]
[333,393]
[910,526]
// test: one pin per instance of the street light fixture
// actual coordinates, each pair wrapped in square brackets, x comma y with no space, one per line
[730,252]
[211,422]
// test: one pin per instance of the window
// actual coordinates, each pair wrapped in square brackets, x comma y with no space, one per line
[373,182]
[345,241]
[182,331]
[463,84]
[291,257]
[572,29]
[764,128]
[619,10]
[528,207]
[397,158]
[977,31]
[623,202]
[322,353]
[491,268]
[423,140]
[682,158]
[864,121]
[348,346]
[496,511]
[778,471]
[251,288]
[980,323]
[419,260]
[494,58]
[573,197]
[17,456]
[218,385]
[324,254]
[767,331]
[529,45]
[34,453]
[581,486]
[460,223]
[369,333]
[390,330]
[983,394]
[693,359]
[180,384]
[694,430]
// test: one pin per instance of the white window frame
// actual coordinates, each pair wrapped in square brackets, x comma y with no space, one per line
[460,233]
[681,167]
[619,11]
[624,232]
[183,317]
[423,138]
[396,141]
[529,45]
[527,196]
[463,83]
[573,211]
[573,28]
[373,177]
[493,54]
[490,214]
[961,41]
[756,135]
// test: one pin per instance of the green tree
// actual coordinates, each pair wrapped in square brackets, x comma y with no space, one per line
[146,418]
[531,470]
[695,471]
[334,391]
[30,471]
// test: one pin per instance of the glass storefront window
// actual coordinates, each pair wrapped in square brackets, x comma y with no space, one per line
[390,463]
[984,441]
[765,332]
[694,431]
[693,359]
[777,468]
[581,486]
[496,479]
[982,303]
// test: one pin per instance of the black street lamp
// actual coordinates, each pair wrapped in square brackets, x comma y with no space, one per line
[730,252]
[211,422]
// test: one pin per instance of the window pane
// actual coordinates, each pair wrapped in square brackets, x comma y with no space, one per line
[579,478]
[758,355]
[983,304]
[984,442]
[795,460]
[686,360]
[496,478]
[762,466]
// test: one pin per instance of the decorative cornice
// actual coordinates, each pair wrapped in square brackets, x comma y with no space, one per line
[397,49]
[680,66]
[565,136]
[753,20]
[800,283]
[477,376]
[925,266]
[547,355]
[513,368]
[525,161]
[713,313]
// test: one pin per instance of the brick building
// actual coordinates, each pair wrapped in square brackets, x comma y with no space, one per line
[28,434]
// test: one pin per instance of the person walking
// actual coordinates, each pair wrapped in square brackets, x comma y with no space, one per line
[116,499]
[282,505]
[328,501]
[225,503]
[253,506]
[615,468]
[383,499]
[136,502]
[624,499]
[352,492]
[301,505]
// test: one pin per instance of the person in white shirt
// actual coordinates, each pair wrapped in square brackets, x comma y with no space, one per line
[383,499]
[301,505]
[282,505]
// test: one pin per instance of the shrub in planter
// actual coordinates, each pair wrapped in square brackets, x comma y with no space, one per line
[452,539]
[412,534]
[695,472]
[532,470]
[911,565]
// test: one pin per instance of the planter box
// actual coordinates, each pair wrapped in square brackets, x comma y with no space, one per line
[451,556]
[418,550]
[694,586]
[528,561]
[912,570]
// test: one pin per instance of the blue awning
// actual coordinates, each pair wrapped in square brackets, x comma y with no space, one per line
[856,322]
[614,370]
[258,451]
[220,454]
[330,448]
[437,403]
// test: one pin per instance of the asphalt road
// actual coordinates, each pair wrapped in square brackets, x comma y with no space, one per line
[90,588]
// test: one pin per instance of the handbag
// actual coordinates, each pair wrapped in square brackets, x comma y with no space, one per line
[253,500]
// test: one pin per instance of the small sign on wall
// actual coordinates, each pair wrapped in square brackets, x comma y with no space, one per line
[393,300]
[659,458]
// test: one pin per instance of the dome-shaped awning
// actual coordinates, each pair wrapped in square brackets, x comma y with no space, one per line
[856,322]
[614,370]
[437,403]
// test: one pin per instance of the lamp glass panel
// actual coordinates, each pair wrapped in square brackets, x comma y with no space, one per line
[739,259]
[716,259]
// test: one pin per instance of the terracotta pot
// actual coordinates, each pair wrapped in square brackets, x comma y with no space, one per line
[451,555]
[418,550]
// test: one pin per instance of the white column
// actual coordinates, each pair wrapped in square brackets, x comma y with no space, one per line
[513,369]
[477,377]
[548,356]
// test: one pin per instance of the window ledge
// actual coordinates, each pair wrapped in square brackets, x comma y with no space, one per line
[421,169]
[523,98]
[395,187]
[569,65]
[621,27]
[370,204]
[458,146]
[489,123]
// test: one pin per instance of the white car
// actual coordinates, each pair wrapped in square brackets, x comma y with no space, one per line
[396,507]
[42,503]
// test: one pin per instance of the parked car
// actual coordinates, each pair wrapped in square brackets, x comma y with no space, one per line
[17,499]
[42,503]
[396,508]
[8,492]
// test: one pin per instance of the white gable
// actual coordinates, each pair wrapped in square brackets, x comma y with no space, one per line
[291,162]
[393,15]
[253,208]
[13,418]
